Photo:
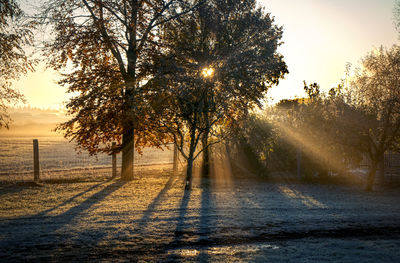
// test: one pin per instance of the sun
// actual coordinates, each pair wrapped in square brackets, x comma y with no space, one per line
[207,72]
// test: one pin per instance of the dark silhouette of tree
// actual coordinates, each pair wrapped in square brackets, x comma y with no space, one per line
[252,142]
[361,118]
[376,97]
[104,45]
[15,33]
[218,64]
[317,128]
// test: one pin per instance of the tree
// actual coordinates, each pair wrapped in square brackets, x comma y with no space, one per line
[376,97]
[320,127]
[303,125]
[218,64]
[104,45]
[252,142]
[15,33]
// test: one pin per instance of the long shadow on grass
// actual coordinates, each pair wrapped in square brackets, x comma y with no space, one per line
[142,222]
[90,201]
[205,219]
[180,226]
[180,241]
[66,202]
[36,230]
[8,189]
[183,209]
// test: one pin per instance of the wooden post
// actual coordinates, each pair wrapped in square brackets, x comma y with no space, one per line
[175,159]
[114,160]
[36,175]
[298,157]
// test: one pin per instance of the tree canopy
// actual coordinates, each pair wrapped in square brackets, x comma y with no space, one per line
[376,97]
[218,63]
[15,34]
[104,46]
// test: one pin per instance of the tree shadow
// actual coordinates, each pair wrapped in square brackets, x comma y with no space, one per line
[180,226]
[183,209]
[205,219]
[44,229]
[144,220]
[6,189]
[66,202]
[93,199]
[197,248]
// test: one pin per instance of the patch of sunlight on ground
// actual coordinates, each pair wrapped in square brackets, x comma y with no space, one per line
[222,250]
[303,198]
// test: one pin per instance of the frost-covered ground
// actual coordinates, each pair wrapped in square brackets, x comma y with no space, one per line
[230,219]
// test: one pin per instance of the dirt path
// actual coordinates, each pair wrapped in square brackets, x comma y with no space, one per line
[154,219]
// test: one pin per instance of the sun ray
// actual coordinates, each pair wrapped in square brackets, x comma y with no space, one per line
[307,200]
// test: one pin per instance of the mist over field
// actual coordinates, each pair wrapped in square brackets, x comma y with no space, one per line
[56,153]
[33,122]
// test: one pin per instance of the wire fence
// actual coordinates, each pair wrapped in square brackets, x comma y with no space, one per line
[391,167]
[58,158]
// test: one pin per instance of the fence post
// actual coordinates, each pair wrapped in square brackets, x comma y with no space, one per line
[36,175]
[114,160]
[175,159]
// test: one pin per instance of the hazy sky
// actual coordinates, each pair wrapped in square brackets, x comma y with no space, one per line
[320,37]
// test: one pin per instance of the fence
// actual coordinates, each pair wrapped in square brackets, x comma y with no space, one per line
[391,168]
[54,157]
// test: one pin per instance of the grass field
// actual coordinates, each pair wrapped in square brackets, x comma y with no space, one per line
[153,219]
[57,156]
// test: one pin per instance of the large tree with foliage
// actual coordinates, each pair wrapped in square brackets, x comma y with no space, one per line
[103,46]
[319,128]
[218,64]
[15,34]
[375,96]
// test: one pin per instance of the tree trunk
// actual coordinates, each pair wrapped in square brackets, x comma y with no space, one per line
[205,171]
[189,172]
[176,159]
[190,160]
[127,154]
[128,142]
[371,176]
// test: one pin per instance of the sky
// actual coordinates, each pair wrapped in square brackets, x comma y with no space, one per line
[320,37]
